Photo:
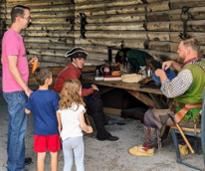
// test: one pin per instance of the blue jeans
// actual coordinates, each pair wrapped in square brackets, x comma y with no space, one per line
[16,130]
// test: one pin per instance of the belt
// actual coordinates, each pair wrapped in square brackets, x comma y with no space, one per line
[182,112]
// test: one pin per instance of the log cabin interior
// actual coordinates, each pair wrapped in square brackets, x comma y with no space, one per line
[154,26]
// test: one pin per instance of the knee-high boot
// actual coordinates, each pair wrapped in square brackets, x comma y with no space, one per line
[151,137]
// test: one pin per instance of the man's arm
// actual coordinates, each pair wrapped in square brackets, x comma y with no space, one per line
[58,114]
[179,85]
[12,62]
[168,64]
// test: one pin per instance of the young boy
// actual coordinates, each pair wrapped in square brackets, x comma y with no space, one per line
[43,105]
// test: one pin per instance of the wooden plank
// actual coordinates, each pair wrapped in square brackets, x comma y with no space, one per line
[158,6]
[176,4]
[160,46]
[48,40]
[143,98]
[114,26]
[128,86]
[134,9]
[159,16]
[192,26]
[52,33]
[103,4]
[11,3]
[158,36]
[47,46]
[162,55]
[54,53]
[113,18]
[118,34]
[111,42]
[158,26]
[112,111]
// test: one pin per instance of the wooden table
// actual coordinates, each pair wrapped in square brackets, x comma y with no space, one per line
[152,97]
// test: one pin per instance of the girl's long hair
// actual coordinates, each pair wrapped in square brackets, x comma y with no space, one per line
[70,94]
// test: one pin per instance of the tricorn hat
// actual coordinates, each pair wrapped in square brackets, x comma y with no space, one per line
[76,53]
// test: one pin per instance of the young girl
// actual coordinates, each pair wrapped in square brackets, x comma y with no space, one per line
[71,122]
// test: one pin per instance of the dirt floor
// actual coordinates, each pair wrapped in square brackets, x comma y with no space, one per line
[106,155]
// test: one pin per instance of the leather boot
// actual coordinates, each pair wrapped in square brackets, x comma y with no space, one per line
[150,141]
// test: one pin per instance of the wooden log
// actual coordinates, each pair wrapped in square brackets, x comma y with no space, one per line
[197,13]
[151,1]
[11,3]
[137,9]
[113,18]
[40,33]
[51,21]
[106,4]
[202,50]
[51,27]
[192,26]
[158,6]
[96,56]
[176,4]
[114,26]
[111,42]
[174,37]
[175,15]
[54,59]
[49,9]
[47,46]
[159,46]
[48,40]
[120,34]
[163,56]
[199,36]
[174,47]
[160,36]
[158,16]
[158,26]
[102,49]
[50,64]
[56,53]
[51,14]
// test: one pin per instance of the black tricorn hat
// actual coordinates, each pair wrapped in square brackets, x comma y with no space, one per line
[76,53]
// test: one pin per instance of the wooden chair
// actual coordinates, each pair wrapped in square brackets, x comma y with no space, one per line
[194,132]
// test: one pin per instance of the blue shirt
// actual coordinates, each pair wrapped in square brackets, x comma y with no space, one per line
[43,104]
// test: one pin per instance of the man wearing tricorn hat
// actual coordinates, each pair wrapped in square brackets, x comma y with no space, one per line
[91,94]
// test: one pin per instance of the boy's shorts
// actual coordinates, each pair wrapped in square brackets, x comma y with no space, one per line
[44,143]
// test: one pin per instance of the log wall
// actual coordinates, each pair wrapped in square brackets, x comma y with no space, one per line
[51,33]
[152,25]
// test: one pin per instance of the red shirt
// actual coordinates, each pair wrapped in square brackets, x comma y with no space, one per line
[70,72]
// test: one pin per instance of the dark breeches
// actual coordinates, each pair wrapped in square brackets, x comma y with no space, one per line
[94,106]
